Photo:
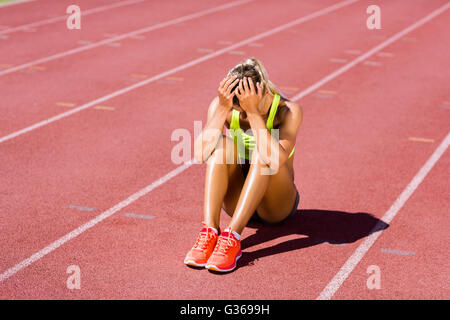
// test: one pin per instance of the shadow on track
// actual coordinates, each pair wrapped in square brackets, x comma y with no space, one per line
[319,226]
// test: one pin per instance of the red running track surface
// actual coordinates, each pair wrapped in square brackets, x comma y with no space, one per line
[365,135]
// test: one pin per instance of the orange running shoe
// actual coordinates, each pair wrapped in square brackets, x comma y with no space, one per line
[226,253]
[203,248]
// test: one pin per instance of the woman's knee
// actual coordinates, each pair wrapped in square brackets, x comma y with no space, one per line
[258,162]
[225,151]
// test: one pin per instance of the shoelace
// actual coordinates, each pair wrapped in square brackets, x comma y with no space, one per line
[203,239]
[224,244]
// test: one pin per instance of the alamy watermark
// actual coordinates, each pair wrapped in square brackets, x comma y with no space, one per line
[74,19]
[73,282]
[187,147]
[374,279]
[374,20]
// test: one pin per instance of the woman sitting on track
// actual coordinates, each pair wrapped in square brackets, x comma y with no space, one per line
[250,176]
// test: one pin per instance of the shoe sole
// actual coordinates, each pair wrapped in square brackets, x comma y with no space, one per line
[217,269]
[194,264]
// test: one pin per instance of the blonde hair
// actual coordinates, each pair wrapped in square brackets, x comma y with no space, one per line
[253,68]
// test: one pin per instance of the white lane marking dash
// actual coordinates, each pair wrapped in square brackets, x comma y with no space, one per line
[367,243]
[372,63]
[75,233]
[93,45]
[371,52]
[140,216]
[400,252]
[179,68]
[81,208]
[338,60]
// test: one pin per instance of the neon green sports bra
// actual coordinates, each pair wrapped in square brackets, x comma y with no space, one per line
[246,143]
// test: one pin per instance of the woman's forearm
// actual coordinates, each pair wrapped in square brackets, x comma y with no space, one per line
[207,140]
[269,149]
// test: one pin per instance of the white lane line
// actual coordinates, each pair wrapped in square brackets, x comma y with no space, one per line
[386,218]
[177,69]
[56,244]
[123,36]
[329,290]
[359,253]
[362,249]
[84,12]
[369,53]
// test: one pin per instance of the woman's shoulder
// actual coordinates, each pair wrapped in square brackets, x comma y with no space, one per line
[291,111]
[294,108]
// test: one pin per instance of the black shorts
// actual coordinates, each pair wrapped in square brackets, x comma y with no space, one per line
[255,217]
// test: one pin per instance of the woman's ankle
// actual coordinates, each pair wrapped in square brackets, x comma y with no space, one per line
[236,234]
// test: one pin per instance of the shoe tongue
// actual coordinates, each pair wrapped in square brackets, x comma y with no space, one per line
[205,230]
[227,234]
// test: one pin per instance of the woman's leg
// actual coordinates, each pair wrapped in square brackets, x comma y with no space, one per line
[253,194]
[223,181]
[273,196]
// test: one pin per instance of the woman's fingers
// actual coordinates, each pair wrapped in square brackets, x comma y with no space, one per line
[252,86]
[224,83]
[228,82]
[230,96]
[258,90]
[246,88]
[240,88]
[224,91]
[231,86]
